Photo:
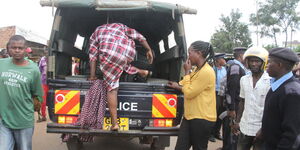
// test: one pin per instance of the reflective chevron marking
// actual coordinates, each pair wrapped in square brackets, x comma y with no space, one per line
[67,102]
[164,105]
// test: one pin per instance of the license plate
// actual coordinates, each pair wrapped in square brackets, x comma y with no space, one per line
[123,123]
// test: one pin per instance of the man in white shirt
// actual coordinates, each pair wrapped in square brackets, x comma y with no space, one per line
[253,90]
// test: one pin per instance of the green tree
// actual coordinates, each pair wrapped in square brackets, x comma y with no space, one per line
[267,24]
[276,16]
[232,33]
[269,47]
[297,49]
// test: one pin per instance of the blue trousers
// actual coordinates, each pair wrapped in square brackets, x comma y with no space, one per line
[22,138]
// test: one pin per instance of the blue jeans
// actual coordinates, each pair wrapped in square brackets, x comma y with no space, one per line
[22,138]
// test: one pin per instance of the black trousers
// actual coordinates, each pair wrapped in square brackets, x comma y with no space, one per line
[220,109]
[229,139]
[246,142]
[194,133]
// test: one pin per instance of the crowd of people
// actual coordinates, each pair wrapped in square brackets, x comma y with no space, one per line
[254,98]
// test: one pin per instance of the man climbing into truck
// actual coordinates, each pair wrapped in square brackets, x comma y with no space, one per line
[113,45]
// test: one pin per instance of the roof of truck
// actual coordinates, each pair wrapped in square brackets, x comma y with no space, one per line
[121,5]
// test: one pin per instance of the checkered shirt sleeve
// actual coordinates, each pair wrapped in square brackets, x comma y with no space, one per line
[134,34]
[93,51]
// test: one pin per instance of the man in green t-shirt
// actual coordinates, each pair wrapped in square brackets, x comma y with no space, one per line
[19,84]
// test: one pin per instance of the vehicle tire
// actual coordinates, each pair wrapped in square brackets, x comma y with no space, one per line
[74,144]
[156,146]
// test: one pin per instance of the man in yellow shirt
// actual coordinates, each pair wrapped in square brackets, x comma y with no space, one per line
[198,87]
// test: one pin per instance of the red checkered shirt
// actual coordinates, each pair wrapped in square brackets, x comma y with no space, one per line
[114,45]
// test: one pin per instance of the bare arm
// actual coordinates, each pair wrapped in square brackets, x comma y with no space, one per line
[137,36]
[174,85]
[240,110]
[149,54]
[187,67]
[236,125]
[93,70]
[145,44]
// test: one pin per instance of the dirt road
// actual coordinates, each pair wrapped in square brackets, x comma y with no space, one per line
[48,141]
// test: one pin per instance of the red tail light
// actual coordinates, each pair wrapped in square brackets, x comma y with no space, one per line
[66,119]
[161,122]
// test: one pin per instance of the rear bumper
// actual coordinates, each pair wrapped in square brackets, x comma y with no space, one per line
[147,131]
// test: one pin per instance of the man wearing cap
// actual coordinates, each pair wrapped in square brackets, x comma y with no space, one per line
[281,119]
[234,73]
[220,71]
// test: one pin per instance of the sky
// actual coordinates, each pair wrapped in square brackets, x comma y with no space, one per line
[29,15]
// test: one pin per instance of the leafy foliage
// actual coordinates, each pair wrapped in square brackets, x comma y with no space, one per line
[276,16]
[269,47]
[297,49]
[232,33]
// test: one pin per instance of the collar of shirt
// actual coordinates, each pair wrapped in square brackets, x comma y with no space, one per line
[264,76]
[216,69]
[275,84]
